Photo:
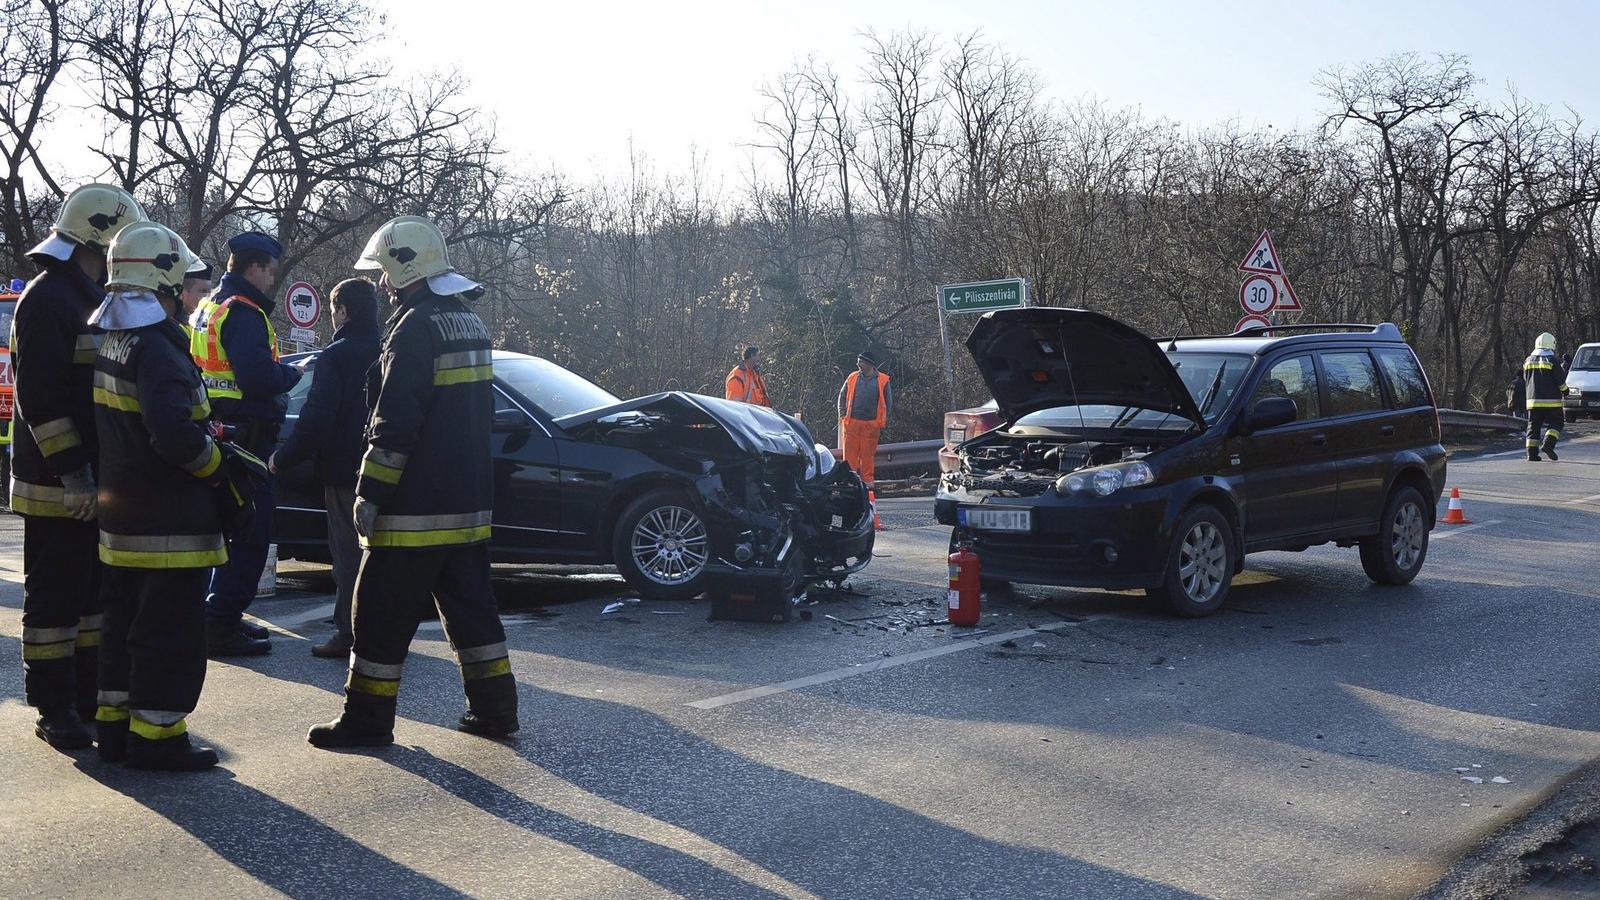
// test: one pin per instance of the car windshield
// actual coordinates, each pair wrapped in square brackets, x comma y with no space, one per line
[551,388]
[1212,380]
[1588,359]
[8,308]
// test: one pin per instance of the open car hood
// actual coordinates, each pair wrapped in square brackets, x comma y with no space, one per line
[1042,358]
[754,429]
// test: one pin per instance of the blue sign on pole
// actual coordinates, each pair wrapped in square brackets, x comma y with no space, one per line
[17,284]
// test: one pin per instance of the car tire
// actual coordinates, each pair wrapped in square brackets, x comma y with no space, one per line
[682,546]
[1396,553]
[1199,569]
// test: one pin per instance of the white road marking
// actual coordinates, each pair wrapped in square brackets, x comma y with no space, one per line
[1585,499]
[1451,531]
[300,618]
[867,668]
[1497,455]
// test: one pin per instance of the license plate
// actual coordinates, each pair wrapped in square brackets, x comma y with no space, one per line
[1591,403]
[998,519]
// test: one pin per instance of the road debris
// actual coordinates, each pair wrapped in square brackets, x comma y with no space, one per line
[1500,779]
[1473,779]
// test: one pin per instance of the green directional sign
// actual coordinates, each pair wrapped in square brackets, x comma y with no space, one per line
[982,296]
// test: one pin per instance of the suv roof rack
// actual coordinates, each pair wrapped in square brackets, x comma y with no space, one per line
[1383,331]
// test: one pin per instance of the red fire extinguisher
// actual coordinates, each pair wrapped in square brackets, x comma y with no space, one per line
[964,586]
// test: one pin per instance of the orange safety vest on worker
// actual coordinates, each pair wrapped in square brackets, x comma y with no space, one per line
[747,386]
[212,357]
[858,438]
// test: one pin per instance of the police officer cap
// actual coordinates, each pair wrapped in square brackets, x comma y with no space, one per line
[255,240]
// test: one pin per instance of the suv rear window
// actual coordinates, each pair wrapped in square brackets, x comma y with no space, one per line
[1406,382]
[1351,381]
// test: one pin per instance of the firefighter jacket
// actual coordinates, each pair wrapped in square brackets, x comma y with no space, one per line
[427,465]
[1544,378]
[158,509]
[52,359]
[239,356]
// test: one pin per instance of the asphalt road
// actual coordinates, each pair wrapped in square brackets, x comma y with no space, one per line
[1304,742]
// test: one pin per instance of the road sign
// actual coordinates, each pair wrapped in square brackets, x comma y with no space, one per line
[303,335]
[1258,295]
[1288,299]
[982,296]
[304,307]
[1250,320]
[1262,258]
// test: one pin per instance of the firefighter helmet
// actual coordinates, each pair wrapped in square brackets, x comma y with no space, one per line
[93,215]
[409,249]
[1546,341]
[150,256]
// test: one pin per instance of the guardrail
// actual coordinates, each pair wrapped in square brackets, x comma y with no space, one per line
[910,454]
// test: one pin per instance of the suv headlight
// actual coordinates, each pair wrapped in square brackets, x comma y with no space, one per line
[1106,480]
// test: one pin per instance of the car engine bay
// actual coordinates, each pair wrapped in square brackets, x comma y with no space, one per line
[1027,465]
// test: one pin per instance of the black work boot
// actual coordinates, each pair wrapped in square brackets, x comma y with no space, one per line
[1533,455]
[336,647]
[488,726]
[173,754]
[224,640]
[252,630]
[350,731]
[112,740]
[61,728]
[1549,449]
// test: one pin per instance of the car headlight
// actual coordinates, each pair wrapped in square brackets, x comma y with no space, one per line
[1106,480]
[825,460]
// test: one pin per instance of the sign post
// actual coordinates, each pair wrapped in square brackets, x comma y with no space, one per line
[975,297]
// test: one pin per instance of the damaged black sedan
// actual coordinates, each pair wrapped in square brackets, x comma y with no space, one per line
[673,488]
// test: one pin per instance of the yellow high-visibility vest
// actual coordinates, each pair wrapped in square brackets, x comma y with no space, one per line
[212,357]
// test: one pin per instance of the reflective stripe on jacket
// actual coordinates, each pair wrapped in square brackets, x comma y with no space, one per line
[1542,372]
[52,362]
[156,509]
[220,380]
[427,464]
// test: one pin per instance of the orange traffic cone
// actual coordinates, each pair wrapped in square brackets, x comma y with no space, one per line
[872,501]
[1454,515]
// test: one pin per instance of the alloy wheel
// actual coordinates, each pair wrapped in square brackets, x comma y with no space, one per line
[1406,536]
[1202,562]
[669,545]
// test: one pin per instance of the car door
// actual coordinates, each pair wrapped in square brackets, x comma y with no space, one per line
[527,481]
[1284,474]
[1361,432]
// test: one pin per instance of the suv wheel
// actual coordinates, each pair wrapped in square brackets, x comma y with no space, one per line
[1199,564]
[1395,554]
[661,546]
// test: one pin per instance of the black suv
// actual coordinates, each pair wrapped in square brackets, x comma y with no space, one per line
[1124,462]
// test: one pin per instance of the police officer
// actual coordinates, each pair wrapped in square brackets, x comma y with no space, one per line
[238,359]
[1544,377]
[423,498]
[53,456]
[160,533]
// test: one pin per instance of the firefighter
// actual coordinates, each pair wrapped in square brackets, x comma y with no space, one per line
[744,382]
[53,458]
[160,530]
[1543,375]
[862,414]
[423,498]
[247,386]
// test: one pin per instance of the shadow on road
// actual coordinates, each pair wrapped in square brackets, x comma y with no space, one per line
[277,844]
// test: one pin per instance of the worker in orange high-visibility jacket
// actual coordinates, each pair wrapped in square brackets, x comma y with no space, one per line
[864,403]
[745,383]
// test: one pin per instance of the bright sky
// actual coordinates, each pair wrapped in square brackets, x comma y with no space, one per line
[572,82]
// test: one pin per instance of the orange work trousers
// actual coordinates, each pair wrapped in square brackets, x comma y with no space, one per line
[859,440]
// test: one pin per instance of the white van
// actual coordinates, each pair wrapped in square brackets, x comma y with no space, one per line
[1583,384]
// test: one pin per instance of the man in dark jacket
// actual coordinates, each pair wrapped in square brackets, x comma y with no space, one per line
[424,496]
[160,528]
[247,386]
[331,431]
[53,452]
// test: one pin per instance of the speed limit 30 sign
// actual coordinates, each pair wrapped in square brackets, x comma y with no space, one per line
[1258,295]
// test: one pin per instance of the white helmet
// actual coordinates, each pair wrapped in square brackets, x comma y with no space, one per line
[150,256]
[1546,341]
[92,216]
[408,249]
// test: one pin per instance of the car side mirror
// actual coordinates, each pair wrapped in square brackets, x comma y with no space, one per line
[510,421]
[1270,413]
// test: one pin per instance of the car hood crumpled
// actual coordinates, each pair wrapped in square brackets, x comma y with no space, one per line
[1042,358]
[754,429]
